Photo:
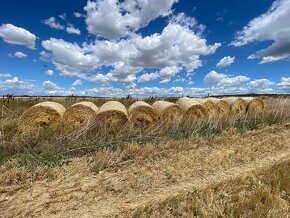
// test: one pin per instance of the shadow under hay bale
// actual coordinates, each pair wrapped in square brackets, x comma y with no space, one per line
[237,105]
[192,110]
[41,116]
[254,104]
[80,114]
[142,114]
[222,106]
[167,112]
[112,116]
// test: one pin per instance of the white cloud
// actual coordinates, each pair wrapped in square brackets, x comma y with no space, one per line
[5,75]
[72,30]
[271,59]
[148,77]
[17,35]
[113,19]
[52,23]
[49,72]
[214,78]
[20,54]
[78,82]
[17,87]
[184,20]
[165,74]
[48,85]
[69,58]
[260,86]
[78,15]
[226,61]
[261,83]
[62,16]
[175,46]
[272,25]
[284,85]
[219,79]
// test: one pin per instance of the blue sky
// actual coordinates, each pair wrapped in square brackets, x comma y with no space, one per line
[144,47]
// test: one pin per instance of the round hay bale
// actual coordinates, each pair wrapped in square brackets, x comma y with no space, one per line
[112,115]
[41,116]
[222,106]
[80,114]
[167,111]
[192,109]
[142,114]
[237,105]
[254,104]
[210,107]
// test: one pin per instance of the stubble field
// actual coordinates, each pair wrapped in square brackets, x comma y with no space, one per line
[228,166]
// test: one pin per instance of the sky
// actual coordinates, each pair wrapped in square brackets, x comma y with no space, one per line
[144,47]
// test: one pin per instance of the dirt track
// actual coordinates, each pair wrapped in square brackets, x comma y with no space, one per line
[151,176]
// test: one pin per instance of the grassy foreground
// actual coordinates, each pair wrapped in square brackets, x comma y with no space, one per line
[225,166]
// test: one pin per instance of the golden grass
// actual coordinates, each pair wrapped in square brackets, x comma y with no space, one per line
[235,174]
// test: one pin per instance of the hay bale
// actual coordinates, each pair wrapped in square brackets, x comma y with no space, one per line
[80,114]
[237,105]
[210,107]
[112,115]
[192,109]
[222,106]
[254,104]
[167,112]
[142,114]
[41,116]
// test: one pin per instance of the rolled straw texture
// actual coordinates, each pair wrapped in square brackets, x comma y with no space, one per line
[142,114]
[41,116]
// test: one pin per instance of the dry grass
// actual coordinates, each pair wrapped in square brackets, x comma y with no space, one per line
[235,174]
[160,157]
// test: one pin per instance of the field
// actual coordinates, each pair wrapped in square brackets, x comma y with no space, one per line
[225,166]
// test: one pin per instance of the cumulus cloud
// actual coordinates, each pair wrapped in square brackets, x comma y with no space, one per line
[17,35]
[78,82]
[113,19]
[20,54]
[219,79]
[226,61]
[72,30]
[52,23]
[17,87]
[49,72]
[5,75]
[69,58]
[272,25]
[260,85]
[176,46]
[48,85]
[284,85]
[165,74]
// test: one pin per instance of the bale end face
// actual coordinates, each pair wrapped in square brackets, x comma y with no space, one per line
[41,116]
[112,116]
[142,114]
[167,111]
[80,114]
[237,105]
[254,104]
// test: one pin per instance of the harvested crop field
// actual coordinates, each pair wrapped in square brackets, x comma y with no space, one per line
[237,165]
